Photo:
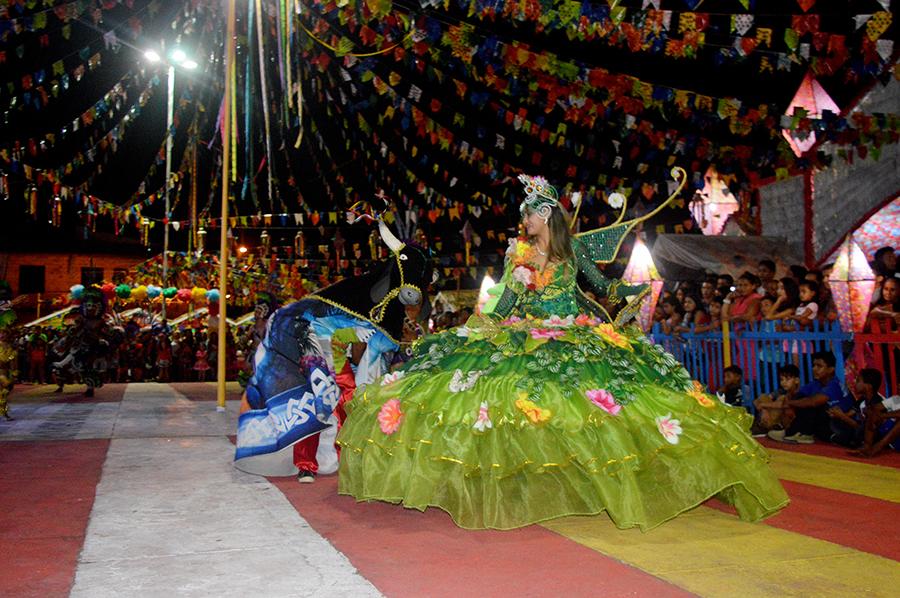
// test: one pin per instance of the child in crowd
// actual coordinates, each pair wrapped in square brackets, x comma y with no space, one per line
[715,316]
[770,408]
[808,309]
[786,302]
[732,392]
[847,426]
[809,408]
[694,314]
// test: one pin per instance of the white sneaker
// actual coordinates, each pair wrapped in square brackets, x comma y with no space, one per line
[776,435]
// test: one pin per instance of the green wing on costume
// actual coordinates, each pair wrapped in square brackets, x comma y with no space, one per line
[602,244]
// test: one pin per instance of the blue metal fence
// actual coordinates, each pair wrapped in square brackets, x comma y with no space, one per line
[758,348]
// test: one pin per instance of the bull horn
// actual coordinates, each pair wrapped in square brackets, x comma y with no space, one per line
[393,243]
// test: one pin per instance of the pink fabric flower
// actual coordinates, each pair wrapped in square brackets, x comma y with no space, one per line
[548,333]
[390,417]
[556,321]
[523,275]
[484,418]
[670,428]
[603,399]
[511,320]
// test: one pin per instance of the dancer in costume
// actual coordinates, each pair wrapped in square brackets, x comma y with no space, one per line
[8,356]
[539,409]
[295,390]
[89,343]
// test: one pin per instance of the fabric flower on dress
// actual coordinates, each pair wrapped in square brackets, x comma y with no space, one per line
[536,414]
[391,377]
[548,333]
[483,422]
[390,417]
[462,382]
[585,320]
[511,320]
[558,322]
[608,333]
[700,396]
[523,274]
[615,200]
[669,428]
[463,331]
[603,399]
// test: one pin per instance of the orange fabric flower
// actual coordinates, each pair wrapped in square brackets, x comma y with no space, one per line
[700,396]
[536,414]
[609,334]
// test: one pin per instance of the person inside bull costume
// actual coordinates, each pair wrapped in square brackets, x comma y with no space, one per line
[87,345]
[291,408]
[8,355]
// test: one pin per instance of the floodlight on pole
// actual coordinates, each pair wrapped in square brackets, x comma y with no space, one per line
[178,56]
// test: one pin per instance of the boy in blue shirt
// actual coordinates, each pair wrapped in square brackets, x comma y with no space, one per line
[810,406]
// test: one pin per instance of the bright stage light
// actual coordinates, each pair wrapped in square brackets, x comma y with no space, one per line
[152,56]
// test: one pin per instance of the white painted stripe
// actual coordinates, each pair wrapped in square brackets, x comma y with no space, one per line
[173,517]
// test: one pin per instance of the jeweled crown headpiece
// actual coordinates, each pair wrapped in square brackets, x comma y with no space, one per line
[540,196]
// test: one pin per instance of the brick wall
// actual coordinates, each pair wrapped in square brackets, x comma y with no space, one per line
[61,271]
[781,211]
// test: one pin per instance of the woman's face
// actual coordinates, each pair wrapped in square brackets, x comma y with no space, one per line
[679,294]
[889,291]
[668,308]
[689,304]
[715,309]
[534,224]
[781,291]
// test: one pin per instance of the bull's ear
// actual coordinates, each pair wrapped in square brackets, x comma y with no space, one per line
[425,312]
[382,285]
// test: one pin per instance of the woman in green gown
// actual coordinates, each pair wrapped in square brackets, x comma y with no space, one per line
[538,409]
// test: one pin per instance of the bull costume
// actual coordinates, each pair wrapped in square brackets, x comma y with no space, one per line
[88,344]
[294,393]
[8,355]
[539,409]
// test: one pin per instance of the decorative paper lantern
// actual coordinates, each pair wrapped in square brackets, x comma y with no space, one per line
[123,291]
[170,292]
[852,284]
[153,291]
[212,296]
[76,292]
[641,270]
[184,295]
[198,295]
[139,293]
[713,204]
[109,291]
[813,98]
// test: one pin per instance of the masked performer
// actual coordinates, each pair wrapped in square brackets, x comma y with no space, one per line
[541,410]
[8,356]
[295,391]
[88,344]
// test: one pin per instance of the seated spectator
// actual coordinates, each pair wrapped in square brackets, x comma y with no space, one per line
[733,389]
[847,426]
[809,409]
[770,408]
[694,314]
[742,304]
[786,302]
[766,273]
[766,305]
[881,430]
[885,263]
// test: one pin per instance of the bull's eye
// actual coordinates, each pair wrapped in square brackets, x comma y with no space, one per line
[404,257]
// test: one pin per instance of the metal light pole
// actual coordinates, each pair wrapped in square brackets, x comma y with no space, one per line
[177,57]
[170,117]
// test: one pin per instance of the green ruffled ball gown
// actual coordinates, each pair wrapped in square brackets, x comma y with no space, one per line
[545,414]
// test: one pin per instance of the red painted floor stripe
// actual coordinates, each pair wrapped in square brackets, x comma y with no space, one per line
[866,524]
[46,494]
[888,458]
[408,553]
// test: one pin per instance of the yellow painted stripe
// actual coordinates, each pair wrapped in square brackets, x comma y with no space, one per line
[874,481]
[712,553]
